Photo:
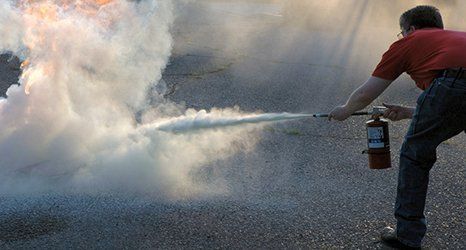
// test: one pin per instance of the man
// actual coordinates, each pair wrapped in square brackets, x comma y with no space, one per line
[435,59]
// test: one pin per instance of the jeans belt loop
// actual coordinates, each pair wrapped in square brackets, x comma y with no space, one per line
[458,73]
[461,74]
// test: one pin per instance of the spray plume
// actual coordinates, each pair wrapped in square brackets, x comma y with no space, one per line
[203,120]
[70,123]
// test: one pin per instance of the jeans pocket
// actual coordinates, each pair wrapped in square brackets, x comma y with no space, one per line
[428,93]
[427,98]
[422,107]
[450,100]
[421,98]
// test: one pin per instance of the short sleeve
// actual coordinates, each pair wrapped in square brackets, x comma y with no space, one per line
[393,62]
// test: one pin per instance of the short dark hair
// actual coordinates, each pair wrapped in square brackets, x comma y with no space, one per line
[422,16]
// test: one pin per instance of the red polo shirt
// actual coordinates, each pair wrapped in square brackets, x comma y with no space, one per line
[423,54]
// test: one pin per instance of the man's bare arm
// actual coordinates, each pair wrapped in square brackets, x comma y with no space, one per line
[361,97]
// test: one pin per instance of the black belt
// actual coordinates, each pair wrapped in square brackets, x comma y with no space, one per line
[457,74]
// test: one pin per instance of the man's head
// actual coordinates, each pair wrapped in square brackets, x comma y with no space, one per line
[420,17]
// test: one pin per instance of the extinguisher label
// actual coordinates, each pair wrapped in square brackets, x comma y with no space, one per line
[375,136]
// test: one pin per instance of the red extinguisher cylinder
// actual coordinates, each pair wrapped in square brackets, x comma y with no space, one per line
[378,142]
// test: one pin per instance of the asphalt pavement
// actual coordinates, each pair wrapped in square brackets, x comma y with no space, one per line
[305,185]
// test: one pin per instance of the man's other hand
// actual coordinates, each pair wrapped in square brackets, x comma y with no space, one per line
[397,113]
[340,113]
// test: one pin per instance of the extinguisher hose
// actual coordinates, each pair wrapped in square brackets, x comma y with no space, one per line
[354,114]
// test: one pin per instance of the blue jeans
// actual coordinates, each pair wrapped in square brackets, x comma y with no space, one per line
[440,115]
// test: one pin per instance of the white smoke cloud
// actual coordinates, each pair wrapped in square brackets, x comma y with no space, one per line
[70,124]
[89,72]
[10,27]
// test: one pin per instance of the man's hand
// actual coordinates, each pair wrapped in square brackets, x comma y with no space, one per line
[340,113]
[397,113]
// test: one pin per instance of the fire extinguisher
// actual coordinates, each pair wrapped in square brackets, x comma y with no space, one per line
[378,138]
[378,143]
